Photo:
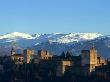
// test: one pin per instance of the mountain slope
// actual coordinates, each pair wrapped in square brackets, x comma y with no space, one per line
[56,42]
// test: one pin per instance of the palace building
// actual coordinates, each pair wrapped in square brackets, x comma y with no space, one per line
[20,58]
[17,58]
[44,55]
[84,64]
[90,60]
[28,55]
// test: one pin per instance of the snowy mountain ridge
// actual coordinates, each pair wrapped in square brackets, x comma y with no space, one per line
[54,37]
[15,35]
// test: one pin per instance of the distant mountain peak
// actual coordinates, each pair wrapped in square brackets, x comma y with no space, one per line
[54,37]
[75,37]
[15,35]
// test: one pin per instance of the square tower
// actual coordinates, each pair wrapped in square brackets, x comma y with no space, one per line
[28,55]
[62,66]
[89,59]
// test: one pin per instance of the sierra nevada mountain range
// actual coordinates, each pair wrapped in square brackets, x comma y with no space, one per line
[56,42]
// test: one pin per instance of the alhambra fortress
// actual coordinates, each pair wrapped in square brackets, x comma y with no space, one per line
[86,63]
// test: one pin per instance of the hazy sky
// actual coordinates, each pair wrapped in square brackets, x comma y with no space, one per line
[48,16]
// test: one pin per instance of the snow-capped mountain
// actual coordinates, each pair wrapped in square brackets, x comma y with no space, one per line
[76,37]
[54,37]
[16,35]
[56,42]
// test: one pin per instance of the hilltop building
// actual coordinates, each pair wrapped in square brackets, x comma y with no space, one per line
[17,58]
[20,58]
[28,55]
[90,60]
[44,55]
[66,61]
[62,66]
[84,64]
